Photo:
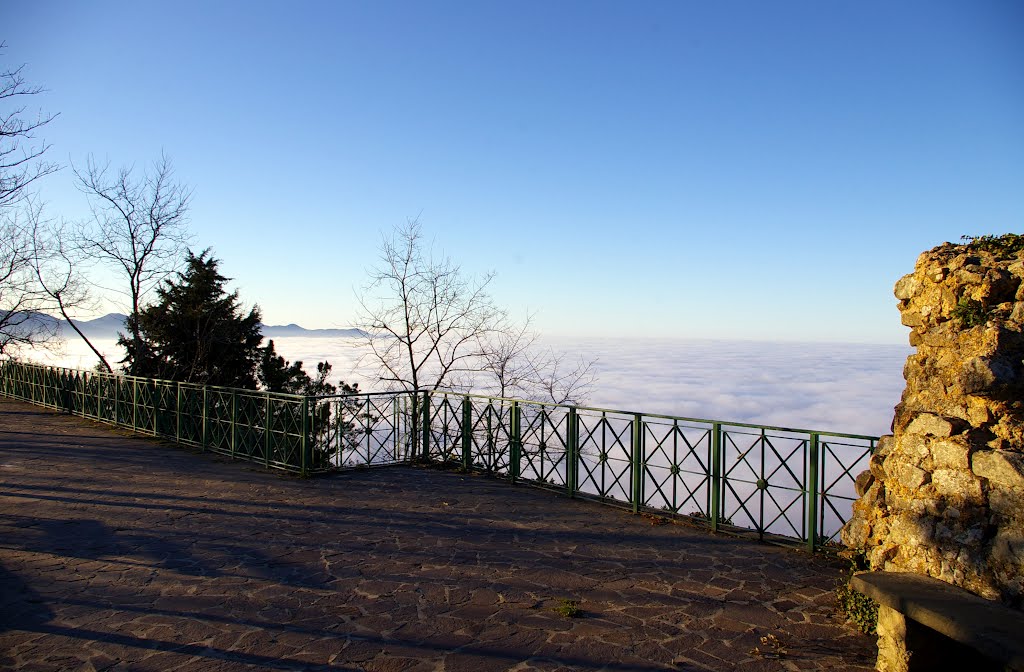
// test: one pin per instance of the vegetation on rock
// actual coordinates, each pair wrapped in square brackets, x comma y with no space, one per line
[857,608]
[1004,246]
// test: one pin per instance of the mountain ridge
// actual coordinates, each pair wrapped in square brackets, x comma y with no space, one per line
[108,325]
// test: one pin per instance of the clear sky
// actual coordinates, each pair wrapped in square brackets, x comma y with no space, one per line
[742,170]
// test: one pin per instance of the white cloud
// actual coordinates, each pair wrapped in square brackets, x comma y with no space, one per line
[848,388]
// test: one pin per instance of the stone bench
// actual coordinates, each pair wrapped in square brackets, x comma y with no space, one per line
[927,624]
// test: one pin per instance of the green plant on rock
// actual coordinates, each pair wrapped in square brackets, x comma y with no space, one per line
[858,609]
[568,608]
[969,312]
[1005,245]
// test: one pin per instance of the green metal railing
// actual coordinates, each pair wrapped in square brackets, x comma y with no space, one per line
[780,484]
[257,426]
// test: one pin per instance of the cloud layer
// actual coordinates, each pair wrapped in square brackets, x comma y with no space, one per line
[848,388]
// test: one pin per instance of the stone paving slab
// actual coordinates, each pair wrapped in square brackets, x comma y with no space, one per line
[124,553]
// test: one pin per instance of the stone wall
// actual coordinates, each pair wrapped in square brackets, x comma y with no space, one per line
[944,495]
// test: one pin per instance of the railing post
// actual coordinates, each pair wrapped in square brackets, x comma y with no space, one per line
[412,421]
[638,463]
[397,413]
[268,427]
[572,450]
[716,475]
[425,421]
[305,447]
[206,413]
[135,404]
[515,448]
[467,433]
[68,395]
[234,422]
[177,414]
[812,494]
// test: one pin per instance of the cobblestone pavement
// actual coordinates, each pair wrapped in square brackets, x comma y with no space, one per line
[124,553]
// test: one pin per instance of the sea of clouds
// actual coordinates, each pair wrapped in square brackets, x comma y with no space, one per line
[836,387]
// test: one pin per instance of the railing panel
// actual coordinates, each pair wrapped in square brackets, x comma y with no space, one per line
[491,422]
[842,460]
[605,455]
[361,430]
[544,438]
[677,467]
[445,428]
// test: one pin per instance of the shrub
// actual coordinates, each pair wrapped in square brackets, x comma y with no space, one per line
[969,313]
[858,609]
[568,608]
[1006,245]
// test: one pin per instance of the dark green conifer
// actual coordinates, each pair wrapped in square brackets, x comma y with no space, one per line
[196,332]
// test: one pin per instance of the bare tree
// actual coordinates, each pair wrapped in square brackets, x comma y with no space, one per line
[430,327]
[57,269]
[424,318]
[505,359]
[560,380]
[139,227]
[21,161]
[21,322]
[513,364]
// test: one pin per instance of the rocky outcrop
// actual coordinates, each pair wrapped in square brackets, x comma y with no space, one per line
[944,495]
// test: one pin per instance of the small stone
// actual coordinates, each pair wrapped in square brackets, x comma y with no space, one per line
[863,482]
[949,454]
[880,555]
[977,411]
[929,424]
[1007,504]
[906,287]
[999,466]
[911,477]
[954,484]
[980,375]
[916,445]
[877,466]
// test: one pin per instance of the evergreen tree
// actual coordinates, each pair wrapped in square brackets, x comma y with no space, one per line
[276,374]
[196,332]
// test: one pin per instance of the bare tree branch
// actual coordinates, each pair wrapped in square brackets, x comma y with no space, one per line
[57,269]
[21,153]
[424,318]
[514,365]
[139,226]
[557,379]
[22,320]
[430,327]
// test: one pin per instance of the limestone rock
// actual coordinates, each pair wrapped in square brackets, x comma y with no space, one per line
[930,424]
[1001,467]
[944,494]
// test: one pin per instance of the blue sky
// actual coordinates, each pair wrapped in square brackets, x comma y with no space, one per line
[735,170]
